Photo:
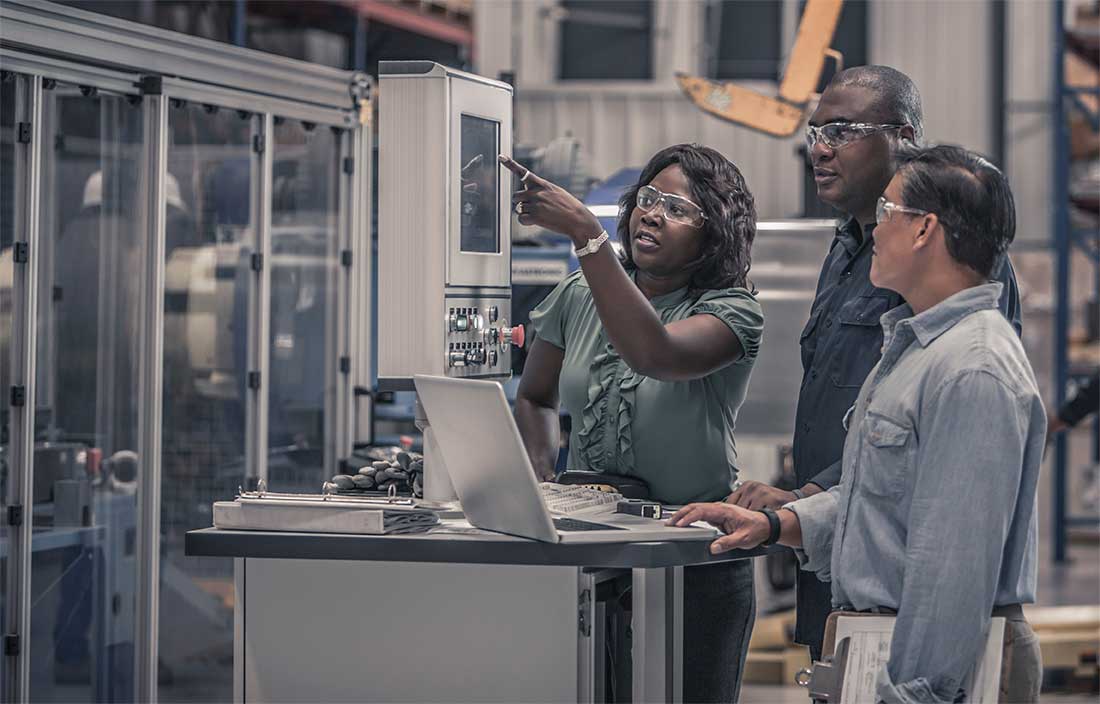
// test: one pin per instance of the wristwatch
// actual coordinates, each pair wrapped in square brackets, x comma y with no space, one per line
[593,244]
[773,526]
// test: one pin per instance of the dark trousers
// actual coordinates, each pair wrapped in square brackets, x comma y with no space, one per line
[815,603]
[719,612]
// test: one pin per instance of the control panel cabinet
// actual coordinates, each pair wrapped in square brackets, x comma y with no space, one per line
[444,240]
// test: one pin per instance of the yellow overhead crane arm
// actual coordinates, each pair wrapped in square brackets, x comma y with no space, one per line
[778,116]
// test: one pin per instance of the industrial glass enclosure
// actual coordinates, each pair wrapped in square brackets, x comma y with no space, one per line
[305,258]
[88,261]
[209,239]
[179,296]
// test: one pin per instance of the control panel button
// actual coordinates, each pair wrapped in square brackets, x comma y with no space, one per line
[456,359]
[492,358]
[475,357]
[494,314]
[511,336]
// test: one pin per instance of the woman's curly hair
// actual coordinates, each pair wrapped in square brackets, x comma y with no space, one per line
[719,188]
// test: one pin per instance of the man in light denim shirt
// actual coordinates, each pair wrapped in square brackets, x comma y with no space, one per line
[935,514]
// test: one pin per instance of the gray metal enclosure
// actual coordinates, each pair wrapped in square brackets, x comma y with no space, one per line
[184,308]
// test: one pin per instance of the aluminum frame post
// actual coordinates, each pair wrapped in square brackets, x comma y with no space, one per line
[259,328]
[150,395]
[28,157]
[362,284]
[340,404]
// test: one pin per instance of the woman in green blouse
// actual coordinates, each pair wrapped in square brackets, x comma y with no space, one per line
[651,356]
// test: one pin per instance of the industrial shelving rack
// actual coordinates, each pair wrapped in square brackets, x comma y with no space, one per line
[1067,238]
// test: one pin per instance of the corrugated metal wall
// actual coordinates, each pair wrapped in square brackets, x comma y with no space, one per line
[626,127]
[944,45]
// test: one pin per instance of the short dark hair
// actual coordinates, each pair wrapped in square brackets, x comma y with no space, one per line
[719,188]
[970,196]
[896,94]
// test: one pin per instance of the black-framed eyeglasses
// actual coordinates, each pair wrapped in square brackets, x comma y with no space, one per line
[677,208]
[840,134]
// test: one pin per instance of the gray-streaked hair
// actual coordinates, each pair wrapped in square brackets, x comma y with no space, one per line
[970,196]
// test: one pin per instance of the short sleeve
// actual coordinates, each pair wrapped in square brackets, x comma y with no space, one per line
[739,310]
[548,318]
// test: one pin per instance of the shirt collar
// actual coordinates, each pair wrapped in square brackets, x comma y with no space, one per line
[853,237]
[941,317]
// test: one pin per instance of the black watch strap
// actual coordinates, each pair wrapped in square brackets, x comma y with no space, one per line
[773,524]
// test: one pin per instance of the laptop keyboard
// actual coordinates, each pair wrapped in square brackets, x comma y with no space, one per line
[561,498]
[572,524]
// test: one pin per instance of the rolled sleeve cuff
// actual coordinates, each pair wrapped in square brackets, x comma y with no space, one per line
[816,519]
[916,691]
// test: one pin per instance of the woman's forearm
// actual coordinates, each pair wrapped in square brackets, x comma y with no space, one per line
[632,325]
[541,432]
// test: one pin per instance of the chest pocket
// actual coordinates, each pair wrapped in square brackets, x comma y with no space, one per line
[886,457]
[859,339]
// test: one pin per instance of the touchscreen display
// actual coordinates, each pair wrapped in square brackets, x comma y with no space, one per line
[479,177]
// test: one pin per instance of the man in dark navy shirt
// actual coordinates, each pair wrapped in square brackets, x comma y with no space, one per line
[862,114]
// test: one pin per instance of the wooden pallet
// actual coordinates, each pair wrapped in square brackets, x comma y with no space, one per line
[1069,637]
[775,667]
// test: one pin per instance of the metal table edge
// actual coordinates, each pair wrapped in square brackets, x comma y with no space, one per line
[214,542]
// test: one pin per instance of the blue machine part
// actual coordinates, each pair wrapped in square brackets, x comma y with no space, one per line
[603,201]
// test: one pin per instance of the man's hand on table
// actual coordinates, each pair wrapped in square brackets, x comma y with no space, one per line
[743,528]
[755,495]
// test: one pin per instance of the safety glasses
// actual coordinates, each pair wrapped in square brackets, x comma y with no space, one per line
[677,209]
[840,134]
[884,208]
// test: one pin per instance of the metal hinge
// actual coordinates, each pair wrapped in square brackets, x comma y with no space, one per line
[582,613]
[24,133]
[253,380]
[21,253]
[11,644]
[15,515]
[345,258]
[151,85]
[18,395]
[258,143]
[257,261]
[349,165]
[345,365]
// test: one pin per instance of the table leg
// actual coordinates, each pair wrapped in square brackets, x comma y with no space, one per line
[238,629]
[658,634]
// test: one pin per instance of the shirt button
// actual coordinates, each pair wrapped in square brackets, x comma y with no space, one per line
[813,373]
[805,427]
[828,322]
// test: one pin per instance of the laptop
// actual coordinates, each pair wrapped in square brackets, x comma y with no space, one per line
[495,481]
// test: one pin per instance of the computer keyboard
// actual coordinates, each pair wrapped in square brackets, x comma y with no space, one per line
[562,498]
[572,524]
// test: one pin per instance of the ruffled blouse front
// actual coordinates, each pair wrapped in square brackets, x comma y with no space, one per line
[677,436]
